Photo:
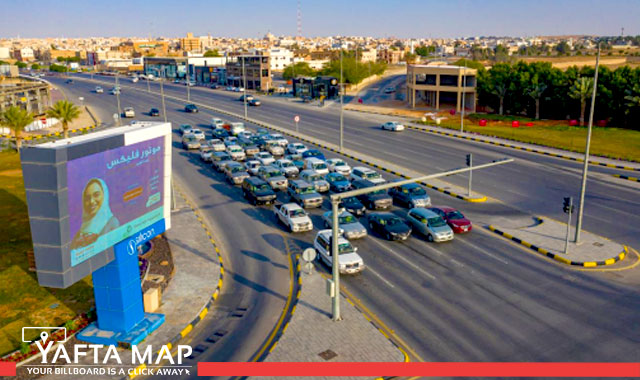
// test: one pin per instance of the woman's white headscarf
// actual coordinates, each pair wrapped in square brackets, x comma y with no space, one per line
[96,224]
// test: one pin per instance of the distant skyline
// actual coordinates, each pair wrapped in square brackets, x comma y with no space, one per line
[375,18]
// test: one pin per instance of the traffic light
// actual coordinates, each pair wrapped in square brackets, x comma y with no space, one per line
[468,159]
[566,206]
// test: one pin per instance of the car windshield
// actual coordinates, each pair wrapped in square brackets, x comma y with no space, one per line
[262,188]
[286,164]
[264,155]
[189,139]
[339,177]
[350,201]
[378,192]
[312,153]
[418,191]
[347,219]
[339,163]
[306,190]
[394,221]
[344,248]
[236,149]
[315,177]
[272,173]
[237,169]
[454,215]
[436,222]
[297,212]
[371,175]
[320,166]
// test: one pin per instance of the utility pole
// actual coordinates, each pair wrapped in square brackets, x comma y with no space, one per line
[335,261]
[586,150]
[470,165]
[164,107]
[341,102]
[118,99]
[464,87]
[244,77]
[148,85]
[188,83]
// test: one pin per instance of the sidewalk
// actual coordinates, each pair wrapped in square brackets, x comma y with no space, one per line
[547,237]
[194,258]
[311,333]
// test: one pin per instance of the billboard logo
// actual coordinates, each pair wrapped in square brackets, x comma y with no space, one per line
[45,333]
[142,237]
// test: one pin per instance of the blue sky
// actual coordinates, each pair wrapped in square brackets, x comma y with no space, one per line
[253,18]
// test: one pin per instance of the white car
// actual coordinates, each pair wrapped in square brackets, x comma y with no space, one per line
[317,165]
[287,167]
[253,166]
[129,112]
[216,145]
[236,128]
[99,90]
[236,152]
[134,79]
[350,261]
[265,158]
[393,126]
[338,165]
[293,216]
[296,148]
[274,148]
[216,123]
[281,140]
[198,133]
[360,172]
[205,153]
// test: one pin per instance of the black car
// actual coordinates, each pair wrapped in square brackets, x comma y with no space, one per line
[257,191]
[254,102]
[214,86]
[191,108]
[376,200]
[248,97]
[154,112]
[353,205]
[68,81]
[389,226]
[220,133]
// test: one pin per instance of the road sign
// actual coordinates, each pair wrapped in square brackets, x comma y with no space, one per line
[296,118]
[309,254]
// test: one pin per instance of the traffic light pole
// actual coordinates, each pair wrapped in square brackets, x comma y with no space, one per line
[570,209]
[470,165]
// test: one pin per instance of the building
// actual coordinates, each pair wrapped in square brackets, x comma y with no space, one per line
[10,71]
[24,54]
[368,55]
[190,43]
[320,87]
[280,58]
[257,72]
[32,95]
[166,67]
[52,55]
[315,64]
[441,87]
[5,53]
[391,57]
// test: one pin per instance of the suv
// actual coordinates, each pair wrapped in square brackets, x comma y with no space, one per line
[219,159]
[289,169]
[351,227]
[236,152]
[304,194]
[257,191]
[315,179]
[317,165]
[273,176]
[189,141]
[430,224]
[349,260]
[360,173]
[411,195]
[376,200]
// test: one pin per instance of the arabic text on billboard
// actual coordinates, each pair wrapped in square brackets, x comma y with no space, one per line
[112,195]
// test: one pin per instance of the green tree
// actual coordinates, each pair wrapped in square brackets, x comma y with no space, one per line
[21,65]
[581,91]
[353,72]
[299,69]
[65,112]
[563,48]
[633,97]
[212,53]
[17,119]
[536,89]
[35,66]
[410,58]
[424,51]
[58,68]
[500,78]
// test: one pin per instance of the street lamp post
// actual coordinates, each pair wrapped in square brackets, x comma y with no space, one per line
[464,87]
[341,103]
[118,99]
[164,107]
[586,150]
[188,83]
[244,80]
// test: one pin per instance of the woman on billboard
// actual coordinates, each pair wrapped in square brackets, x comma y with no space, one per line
[97,218]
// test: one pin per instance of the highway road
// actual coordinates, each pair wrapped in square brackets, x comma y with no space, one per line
[478,298]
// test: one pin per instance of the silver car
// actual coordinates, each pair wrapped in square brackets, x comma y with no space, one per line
[430,225]
[352,228]
[316,179]
[289,169]
[253,166]
[235,173]
[274,177]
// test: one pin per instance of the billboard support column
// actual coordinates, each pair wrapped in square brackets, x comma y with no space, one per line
[117,290]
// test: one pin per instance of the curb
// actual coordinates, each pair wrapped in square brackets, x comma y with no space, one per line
[205,310]
[532,150]
[586,264]
[54,134]
[290,134]
[627,177]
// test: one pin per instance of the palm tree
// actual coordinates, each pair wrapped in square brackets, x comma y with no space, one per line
[500,90]
[65,112]
[16,119]
[535,91]
[633,97]
[581,90]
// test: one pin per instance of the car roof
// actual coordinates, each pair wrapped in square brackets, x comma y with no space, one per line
[423,212]
[384,215]
[327,234]
[314,159]
[363,168]
[292,206]
[255,181]
[234,163]
[444,208]
[309,172]
[360,183]
[300,183]
[410,185]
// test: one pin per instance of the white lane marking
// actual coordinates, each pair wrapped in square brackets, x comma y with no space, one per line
[481,250]
[380,276]
[430,248]
[414,266]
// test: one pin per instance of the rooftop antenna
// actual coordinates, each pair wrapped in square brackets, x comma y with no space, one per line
[622,32]
[299,21]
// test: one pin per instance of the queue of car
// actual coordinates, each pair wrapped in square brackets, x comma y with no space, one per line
[303,174]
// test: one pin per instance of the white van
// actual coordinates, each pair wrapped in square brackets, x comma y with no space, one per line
[350,262]
[216,123]
[236,128]
[317,165]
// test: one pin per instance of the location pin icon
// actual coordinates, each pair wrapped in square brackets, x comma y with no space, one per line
[44,336]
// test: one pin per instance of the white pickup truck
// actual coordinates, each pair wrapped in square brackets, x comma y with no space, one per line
[293,216]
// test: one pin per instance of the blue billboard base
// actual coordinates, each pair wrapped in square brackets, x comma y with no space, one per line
[93,334]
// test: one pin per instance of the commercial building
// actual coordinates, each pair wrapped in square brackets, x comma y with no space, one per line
[24,54]
[144,48]
[166,67]
[320,87]
[280,58]
[441,87]
[257,72]
[391,57]
[32,95]
[190,43]
[368,55]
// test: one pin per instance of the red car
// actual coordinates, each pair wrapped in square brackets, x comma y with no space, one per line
[454,218]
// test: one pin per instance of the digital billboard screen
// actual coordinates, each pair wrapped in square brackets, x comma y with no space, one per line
[113,194]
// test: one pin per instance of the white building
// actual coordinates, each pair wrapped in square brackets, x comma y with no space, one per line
[5,53]
[280,58]
[315,64]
